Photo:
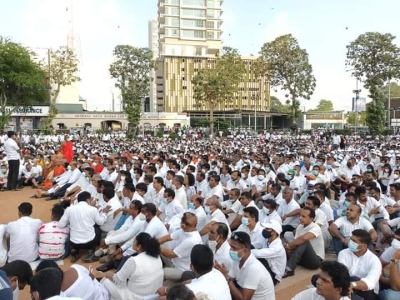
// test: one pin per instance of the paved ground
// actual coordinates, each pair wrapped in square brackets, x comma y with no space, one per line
[9,202]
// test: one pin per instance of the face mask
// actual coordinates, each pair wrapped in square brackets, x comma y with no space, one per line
[207,210]
[245,221]
[353,246]
[3,171]
[235,255]
[266,211]
[141,217]
[395,176]
[396,244]
[191,206]
[346,204]
[387,170]
[16,292]
[289,177]
[165,201]
[369,170]
[123,178]
[69,168]
[315,172]
[267,169]
[266,234]
[261,177]
[213,245]
[242,175]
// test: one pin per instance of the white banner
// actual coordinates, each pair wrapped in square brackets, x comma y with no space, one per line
[34,111]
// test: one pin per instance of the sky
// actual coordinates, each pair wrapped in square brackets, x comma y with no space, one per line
[323,28]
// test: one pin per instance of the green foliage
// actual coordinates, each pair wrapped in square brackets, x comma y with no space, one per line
[323,106]
[222,123]
[289,68]
[62,69]
[375,59]
[376,116]
[131,69]
[357,118]
[219,81]
[22,81]
[394,90]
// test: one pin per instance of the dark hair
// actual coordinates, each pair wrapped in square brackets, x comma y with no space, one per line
[108,184]
[191,179]
[141,186]
[312,211]
[242,238]
[397,232]
[276,186]
[351,194]
[363,235]
[202,259]
[137,204]
[130,187]
[57,211]
[314,200]
[360,190]
[109,193]
[339,275]
[84,196]
[10,133]
[271,203]
[47,282]
[25,208]
[19,268]
[170,193]
[222,229]
[320,194]
[180,292]
[151,208]
[179,178]
[149,245]
[44,264]
[253,212]
[247,195]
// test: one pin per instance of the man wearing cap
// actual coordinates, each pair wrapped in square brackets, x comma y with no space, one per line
[273,256]
[13,156]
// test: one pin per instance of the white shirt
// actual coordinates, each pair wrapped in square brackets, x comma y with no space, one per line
[112,220]
[213,284]
[241,185]
[275,254]
[185,242]
[155,228]
[327,209]
[23,239]
[11,148]
[75,175]
[318,242]
[126,233]
[52,240]
[285,208]
[3,250]
[267,218]
[82,218]
[171,209]
[257,240]
[311,294]
[180,195]
[346,227]
[222,256]
[367,267]
[208,192]
[261,284]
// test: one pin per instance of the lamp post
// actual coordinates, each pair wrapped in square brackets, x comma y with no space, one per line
[389,125]
[357,91]
[255,98]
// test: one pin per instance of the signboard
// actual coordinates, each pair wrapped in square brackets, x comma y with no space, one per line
[34,111]
[359,105]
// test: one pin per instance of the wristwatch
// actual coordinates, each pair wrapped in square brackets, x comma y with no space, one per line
[353,285]
[396,261]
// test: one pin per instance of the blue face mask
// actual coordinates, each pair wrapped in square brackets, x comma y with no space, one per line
[315,172]
[164,200]
[207,209]
[245,221]
[346,204]
[235,255]
[266,234]
[191,206]
[353,246]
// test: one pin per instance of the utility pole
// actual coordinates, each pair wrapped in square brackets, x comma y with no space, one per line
[357,91]
[389,125]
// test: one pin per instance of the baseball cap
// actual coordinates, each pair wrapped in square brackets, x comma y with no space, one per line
[274,225]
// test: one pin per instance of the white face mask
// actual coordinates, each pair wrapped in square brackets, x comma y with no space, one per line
[396,244]
[69,168]
[16,292]
[395,176]
[213,245]
[142,217]
[123,178]
[94,164]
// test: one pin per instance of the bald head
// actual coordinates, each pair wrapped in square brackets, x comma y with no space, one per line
[189,222]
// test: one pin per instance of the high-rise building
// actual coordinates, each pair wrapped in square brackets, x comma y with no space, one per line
[154,47]
[190,27]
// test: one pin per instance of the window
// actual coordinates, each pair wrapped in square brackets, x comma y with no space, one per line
[198,34]
[194,2]
[173,2]
[210,24]
[184,87]
[172,22]
[183,78]
[210,35]
[193,13]
[213,14]
[211,3]
[183,69]
[193,23]
[173,11]
[171,32]
[198,50]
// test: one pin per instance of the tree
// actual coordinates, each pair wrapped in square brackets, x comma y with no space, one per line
[357,118]
[374,58]
[219,81]
[278,107]
[22,81]
[289,68]
[323,106]
[62,68]
[131,69]
[394,90]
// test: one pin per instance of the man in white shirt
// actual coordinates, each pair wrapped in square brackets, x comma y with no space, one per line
[214,189]
[82,218]
[180,193]
[273,255]
[333,283]
[307,249]
[24,235]
[251,225]
[179,257]
[218,243]
[115,211]
[364,266]
[13,153]
[28,176]
[75,174]
[169,206]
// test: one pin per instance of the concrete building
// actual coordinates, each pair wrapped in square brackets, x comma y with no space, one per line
[154,47]
[315,120]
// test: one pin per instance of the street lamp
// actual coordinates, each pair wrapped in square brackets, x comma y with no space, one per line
[255,98]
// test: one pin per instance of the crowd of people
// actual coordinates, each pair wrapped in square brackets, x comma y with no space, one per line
[216,218]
